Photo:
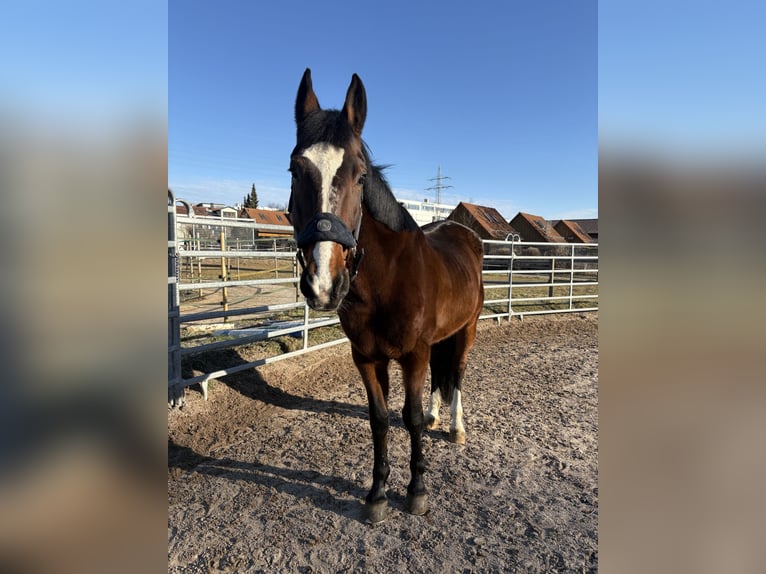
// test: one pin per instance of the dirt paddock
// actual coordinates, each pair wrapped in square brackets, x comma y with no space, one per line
[269,475]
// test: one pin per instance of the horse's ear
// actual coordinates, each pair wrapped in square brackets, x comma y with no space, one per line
[355,108]
[306,101]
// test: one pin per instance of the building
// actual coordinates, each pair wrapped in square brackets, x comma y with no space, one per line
[571,232]
[426,212]
[486,221]
[590,226]
[268,217]
[197,210]
[224,211]
[208,210]
[535,229]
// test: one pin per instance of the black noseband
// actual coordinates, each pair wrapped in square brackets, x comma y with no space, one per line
[326,227]
[329,227]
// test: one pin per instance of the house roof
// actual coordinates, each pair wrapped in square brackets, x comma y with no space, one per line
[568,228]
[589,226]
[199,210]
[541,226]
[267,216]
[489,219]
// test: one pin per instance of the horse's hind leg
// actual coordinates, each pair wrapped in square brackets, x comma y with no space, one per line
[448,362]
[463,342]
[375,378]
[442,367]
[457,430]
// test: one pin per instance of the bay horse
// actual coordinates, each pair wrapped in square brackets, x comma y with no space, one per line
[402,292]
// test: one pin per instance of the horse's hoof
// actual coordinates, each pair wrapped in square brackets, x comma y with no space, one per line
[416,504]
[430,423]
[457,436]
[376,511]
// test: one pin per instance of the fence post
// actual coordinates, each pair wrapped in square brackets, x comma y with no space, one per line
[276,263]
[195,232]
[297,280]
[224,291]
[571,274]
[175,390]
[305,326]
[514,237]
[553,276]
[510,280]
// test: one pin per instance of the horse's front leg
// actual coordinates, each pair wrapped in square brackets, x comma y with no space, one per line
[375,377]
[414,368]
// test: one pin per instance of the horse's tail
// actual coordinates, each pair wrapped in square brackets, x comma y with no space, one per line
[444,368]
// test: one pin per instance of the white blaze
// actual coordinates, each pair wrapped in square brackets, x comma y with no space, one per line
[327,158]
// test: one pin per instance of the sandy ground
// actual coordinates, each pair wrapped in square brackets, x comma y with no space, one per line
[269,475]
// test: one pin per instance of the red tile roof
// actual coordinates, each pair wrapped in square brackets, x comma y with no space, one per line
[535,228]
[572,232]
[267,216]
[488,218]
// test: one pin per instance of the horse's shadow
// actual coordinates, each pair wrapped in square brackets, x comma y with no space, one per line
[297,483]
[251,384]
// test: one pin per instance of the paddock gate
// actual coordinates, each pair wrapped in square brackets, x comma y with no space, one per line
[234,282]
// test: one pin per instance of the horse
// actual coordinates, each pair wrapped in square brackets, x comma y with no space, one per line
[402,292]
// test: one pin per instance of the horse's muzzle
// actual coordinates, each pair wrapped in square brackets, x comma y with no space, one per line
[325,300]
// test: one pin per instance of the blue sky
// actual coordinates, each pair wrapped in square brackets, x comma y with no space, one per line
[502,95]
[83,64]
[683,79]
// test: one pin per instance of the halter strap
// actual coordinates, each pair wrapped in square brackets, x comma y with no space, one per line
[327,227]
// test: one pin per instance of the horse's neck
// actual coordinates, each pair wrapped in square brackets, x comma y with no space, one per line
[387,230]
[382,247]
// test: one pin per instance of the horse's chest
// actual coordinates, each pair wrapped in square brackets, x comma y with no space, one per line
[381,333]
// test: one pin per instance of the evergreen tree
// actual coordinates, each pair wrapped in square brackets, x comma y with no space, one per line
[251,200]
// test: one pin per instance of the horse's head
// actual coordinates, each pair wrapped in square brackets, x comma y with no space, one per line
[329,167]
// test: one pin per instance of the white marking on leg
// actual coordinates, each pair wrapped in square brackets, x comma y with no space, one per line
[434,402]
[457,430]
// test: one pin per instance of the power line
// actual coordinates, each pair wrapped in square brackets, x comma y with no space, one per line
[439,185]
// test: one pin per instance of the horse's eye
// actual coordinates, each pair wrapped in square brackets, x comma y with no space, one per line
[295,171]
[362,179]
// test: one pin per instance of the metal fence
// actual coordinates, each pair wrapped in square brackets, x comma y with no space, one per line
[523,278]
[229,286]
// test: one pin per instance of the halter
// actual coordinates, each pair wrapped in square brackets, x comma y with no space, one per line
[327,226]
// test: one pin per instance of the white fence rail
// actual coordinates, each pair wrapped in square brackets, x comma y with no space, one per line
[519,279]
[539,278]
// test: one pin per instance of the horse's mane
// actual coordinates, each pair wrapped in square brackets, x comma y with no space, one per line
[380,201]
[329,126]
